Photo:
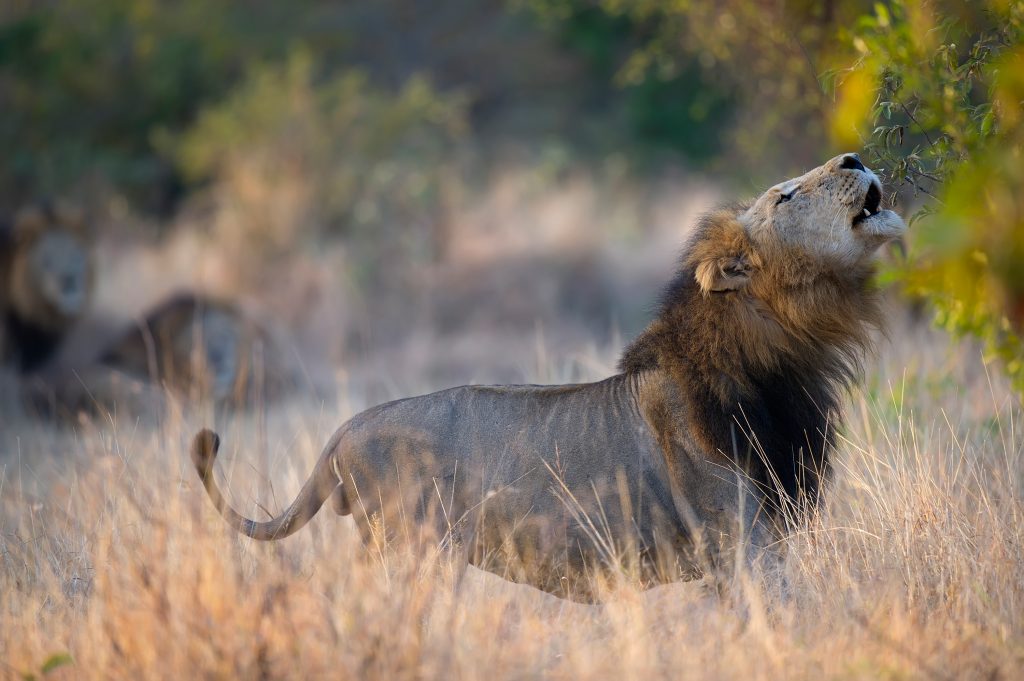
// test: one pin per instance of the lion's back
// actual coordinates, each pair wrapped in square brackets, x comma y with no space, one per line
[486,423]
[528,446]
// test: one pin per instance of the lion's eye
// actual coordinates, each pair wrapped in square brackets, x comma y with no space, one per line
[785,197]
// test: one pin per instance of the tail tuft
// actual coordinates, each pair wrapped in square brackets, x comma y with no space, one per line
[314,493]
[205,445]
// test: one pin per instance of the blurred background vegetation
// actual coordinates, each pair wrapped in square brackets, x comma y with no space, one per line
[362,122]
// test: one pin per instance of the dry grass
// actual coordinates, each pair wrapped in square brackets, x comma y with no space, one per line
[110,552]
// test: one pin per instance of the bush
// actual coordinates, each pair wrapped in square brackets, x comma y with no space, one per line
[664,104]
[85,85]
[292,157]
[947,124]
[747,73]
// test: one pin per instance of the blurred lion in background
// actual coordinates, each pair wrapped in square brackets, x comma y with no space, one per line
[200,347]
[193,346]
[190,347]
[47,274]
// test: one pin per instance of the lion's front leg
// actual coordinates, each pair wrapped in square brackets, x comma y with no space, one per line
[741,546]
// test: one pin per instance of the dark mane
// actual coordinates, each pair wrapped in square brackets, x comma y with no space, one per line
[31,345]
[761,371]
[31,330]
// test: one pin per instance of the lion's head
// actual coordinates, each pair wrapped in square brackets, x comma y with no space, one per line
[199,343]
[50,270]
[785,280]
[829,219]
[834,211]
[46,281]
[215,345]
[771,315]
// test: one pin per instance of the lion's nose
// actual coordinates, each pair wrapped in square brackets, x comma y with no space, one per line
[852,162]
[69,283]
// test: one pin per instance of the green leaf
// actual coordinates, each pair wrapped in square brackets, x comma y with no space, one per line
[56,661]
[882,12]
[986,123]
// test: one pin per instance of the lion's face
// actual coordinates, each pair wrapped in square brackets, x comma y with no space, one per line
[834,211]
[212,345]
[51,276]
[199,346]
[57,266]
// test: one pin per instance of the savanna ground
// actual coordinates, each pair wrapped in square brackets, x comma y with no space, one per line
[113,564]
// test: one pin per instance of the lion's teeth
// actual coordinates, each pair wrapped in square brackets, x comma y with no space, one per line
[867,213]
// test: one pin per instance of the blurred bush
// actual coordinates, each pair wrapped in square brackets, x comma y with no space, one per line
[662,105]
[92,89]
[85,85]
[946,122]
[750,70]
[293,158]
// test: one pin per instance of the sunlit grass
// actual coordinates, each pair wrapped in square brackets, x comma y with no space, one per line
[110,553]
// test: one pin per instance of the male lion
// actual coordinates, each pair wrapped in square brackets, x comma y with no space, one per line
[46,282]
[198,345]
[719,425]
[188,346]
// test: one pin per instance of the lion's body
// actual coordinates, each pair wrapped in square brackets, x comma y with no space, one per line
[516,470]
[46,283]
[717,432]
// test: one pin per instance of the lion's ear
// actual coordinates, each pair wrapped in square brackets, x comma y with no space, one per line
[721,255]
[727,273]
[28,222]
[73,219]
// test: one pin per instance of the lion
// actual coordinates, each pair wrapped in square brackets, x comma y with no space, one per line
[46,282]
[199,346]
[189,346]
[714,437]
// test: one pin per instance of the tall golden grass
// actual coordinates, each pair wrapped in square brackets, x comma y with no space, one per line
[114,565]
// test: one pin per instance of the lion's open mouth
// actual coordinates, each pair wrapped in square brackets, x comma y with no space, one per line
[872,204]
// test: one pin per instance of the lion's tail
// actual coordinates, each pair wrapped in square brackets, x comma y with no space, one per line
[312,496]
